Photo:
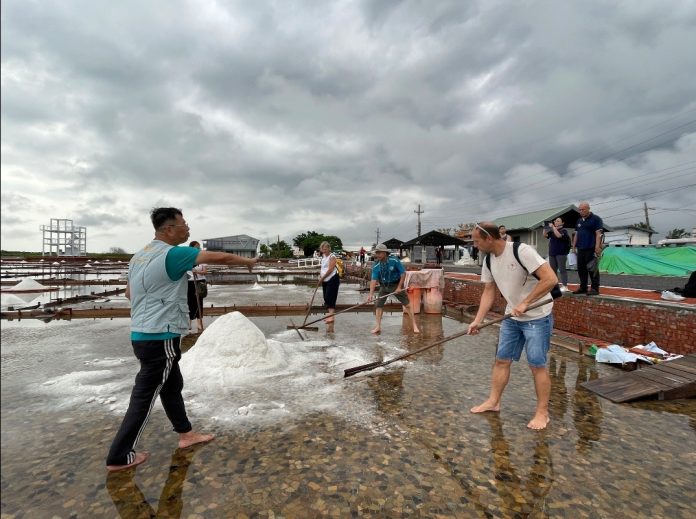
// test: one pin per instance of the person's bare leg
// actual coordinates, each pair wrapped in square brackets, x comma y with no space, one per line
[192,438]
[501,375]
[378,319]
[542,385]
[409,309]
[200,325]
[330,318]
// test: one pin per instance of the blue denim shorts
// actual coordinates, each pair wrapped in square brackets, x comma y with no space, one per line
[533,336]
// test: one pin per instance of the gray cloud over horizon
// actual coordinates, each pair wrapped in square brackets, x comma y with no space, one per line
[276,118]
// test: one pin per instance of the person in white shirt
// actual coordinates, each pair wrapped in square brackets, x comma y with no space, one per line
[528,330]
[329,279]
[503,233]
[194,296]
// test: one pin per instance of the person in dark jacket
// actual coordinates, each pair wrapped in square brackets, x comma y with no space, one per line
[559,246]
[587,244]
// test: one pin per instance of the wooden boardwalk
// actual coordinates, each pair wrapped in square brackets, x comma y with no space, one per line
[257,310]
[666,381]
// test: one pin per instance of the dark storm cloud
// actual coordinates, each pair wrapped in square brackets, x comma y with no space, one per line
[277,118]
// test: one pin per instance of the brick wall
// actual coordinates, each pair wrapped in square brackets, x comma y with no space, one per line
[611,319]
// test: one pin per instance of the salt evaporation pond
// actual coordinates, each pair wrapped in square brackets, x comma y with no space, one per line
[296,439]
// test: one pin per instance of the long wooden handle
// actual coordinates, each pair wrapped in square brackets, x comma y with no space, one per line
[311,302]
[366,367]
[355,306]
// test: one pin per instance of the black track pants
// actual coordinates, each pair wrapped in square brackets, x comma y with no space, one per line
[159,375]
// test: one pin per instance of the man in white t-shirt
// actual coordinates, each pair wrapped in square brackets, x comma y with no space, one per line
[528,330]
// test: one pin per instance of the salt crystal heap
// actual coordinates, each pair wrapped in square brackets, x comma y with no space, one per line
[27,285]
[231,350]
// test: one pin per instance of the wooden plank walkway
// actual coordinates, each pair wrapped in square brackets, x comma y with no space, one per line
[257,310]
[666,381]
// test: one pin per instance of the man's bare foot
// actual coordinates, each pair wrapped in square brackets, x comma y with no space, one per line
[416,330]
[375,330]
[192,438]
[140,457]
[486,406]
[540,421]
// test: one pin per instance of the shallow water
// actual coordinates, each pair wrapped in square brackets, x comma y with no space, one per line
[299,440]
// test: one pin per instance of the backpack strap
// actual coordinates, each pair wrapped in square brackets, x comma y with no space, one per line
[516,252]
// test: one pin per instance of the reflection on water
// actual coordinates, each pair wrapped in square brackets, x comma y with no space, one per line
[131,503]
[512,488]
[397,442]
[587,411]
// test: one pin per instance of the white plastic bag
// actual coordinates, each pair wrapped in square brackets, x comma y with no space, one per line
[572,260]
[671,296]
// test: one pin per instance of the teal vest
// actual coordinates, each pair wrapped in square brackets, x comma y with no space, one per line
[158,304]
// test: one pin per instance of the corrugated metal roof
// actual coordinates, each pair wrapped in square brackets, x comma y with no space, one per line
[238,242]
[535,219]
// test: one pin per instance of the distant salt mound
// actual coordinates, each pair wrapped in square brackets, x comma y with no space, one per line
[27,284]
[466,259]
[232,349]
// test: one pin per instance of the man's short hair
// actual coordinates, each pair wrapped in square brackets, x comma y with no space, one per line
[488,228]
[162,215]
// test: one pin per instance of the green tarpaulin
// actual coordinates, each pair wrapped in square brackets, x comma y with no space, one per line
[649,261]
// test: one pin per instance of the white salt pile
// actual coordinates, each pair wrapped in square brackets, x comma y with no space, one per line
[257,286]
[230,350]
[27,284]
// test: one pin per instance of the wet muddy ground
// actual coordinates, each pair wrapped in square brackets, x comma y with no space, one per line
[397,442]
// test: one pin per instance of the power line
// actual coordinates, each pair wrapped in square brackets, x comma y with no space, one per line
[605,158]
[620,183]
[672,175]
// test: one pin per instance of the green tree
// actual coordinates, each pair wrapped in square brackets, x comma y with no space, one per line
[280,250]
[675,234]
[263,249]
[310,241]
[643,226]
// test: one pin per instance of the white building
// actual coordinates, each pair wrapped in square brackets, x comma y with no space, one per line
[628,235]
[241,244]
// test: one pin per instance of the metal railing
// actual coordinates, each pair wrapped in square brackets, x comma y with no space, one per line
[305,262]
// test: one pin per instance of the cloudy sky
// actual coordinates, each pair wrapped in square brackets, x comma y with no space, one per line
[272,118]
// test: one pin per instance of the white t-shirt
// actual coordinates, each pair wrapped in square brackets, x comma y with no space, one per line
[513,282]
[325,266]
[199,270]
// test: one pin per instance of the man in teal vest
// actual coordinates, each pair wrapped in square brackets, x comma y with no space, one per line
[157,286]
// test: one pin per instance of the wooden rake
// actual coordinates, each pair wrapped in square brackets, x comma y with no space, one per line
[307,327]
[374,365]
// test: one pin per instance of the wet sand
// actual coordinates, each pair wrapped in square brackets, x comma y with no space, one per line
[399,442]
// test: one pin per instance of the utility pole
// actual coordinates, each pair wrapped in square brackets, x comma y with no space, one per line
[419,212]
[647,220]
[377,242]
